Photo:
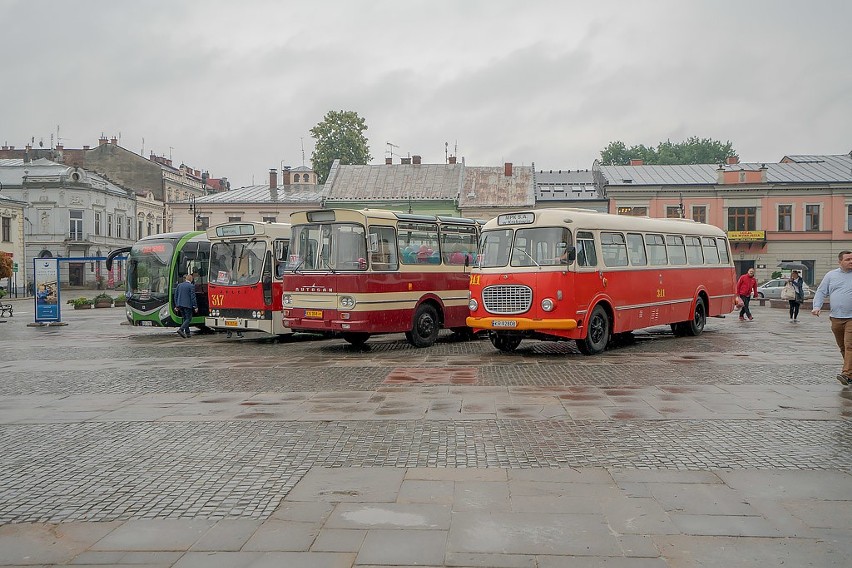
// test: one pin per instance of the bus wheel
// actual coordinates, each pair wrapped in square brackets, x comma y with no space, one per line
[699,318]
[597,334]
[356,338]
[504,341]
[425,330]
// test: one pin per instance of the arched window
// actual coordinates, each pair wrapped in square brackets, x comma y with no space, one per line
[296,178]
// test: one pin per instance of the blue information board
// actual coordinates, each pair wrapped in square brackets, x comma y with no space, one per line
[46,276]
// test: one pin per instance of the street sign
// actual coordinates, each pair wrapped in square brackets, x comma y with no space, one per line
[14,267]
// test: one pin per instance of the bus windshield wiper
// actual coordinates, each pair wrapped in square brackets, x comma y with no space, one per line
[327,265]
[531,258]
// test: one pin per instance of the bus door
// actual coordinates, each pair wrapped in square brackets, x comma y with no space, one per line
[194,259]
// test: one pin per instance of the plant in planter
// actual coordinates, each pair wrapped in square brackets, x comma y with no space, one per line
[81,303]
[119,301]
[103,301]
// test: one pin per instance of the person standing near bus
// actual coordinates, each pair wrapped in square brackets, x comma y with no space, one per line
[186,303]
[746,288]
[837,284]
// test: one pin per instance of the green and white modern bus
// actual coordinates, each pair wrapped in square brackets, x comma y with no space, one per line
[155,266]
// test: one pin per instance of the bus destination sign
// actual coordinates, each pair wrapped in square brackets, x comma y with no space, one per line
[515,218]
[234,230]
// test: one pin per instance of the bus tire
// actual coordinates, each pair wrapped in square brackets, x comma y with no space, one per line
[699,318]
[597,333]
[425,330]
[504,341]
[356,338]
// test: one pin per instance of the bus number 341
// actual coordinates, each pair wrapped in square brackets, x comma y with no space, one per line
[661,292]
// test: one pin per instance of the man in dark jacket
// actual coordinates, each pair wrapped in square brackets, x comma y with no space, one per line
[186,303]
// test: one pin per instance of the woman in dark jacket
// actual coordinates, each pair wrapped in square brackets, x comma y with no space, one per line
[798,288]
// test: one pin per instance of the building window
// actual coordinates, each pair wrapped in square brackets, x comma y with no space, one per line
[97,222]
[75,225]
[109,224]
[129,228]
[785,217]
[269,219]
[7,229]
[296,178]
[234,219]
[203,223]
[812,217]
[849,217]
[742,218]
[633,211]
[673,212]
[699,213]
[150,228]
[119,222]
[158,227]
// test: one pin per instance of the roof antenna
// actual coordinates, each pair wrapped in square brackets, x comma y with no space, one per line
[303,150]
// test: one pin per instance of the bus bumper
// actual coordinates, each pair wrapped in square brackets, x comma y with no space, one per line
[334,325]
[521,324]
[243,324]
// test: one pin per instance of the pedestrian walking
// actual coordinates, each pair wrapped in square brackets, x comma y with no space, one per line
[746,288]
[794,293]
[186,303]
[837,286]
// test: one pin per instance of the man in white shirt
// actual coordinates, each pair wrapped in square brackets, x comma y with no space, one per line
[837,284]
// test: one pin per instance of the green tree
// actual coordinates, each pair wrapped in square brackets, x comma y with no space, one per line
[693,150]
[339,136]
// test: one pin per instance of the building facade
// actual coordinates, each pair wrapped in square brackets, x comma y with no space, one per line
[70,213]
[12,243]
[797,210]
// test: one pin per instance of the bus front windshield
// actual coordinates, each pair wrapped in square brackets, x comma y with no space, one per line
[148,268]
[328,247]
[533,246]
[236,263]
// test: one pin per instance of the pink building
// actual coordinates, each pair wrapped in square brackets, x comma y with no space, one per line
[797,210]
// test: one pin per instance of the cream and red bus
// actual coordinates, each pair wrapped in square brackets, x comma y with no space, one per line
[244,281]
[575,274]
[357,273]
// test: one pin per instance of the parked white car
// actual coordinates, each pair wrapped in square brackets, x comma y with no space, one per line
[772,289]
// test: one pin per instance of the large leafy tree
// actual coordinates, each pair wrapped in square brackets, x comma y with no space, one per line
[339,136]
[693,150]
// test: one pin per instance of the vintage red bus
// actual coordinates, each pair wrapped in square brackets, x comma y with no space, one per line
[563,274]
[357,273]
[244,282]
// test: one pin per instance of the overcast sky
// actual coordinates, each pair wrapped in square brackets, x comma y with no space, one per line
[234,87]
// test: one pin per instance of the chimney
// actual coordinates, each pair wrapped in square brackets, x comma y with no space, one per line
[388,161]
[733,159]
[507,169]
[415,160]
[452,159]
[636,162]
[113,140]
[285,175]
[405,160]
[60,147]
[102,140]
[273,178]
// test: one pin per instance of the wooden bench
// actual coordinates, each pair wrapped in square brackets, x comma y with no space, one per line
[6,309]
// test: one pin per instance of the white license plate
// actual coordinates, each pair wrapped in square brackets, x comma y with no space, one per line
[504,323]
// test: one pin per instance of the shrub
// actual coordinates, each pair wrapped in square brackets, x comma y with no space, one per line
[103,297]
[81,302]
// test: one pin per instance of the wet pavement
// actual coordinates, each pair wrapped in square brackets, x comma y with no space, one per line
[133,447]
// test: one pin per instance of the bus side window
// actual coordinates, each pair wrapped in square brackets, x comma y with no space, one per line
[636,249]
[656,246]
[614,249]
[586,253]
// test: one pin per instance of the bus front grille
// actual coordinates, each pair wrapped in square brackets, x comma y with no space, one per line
[507,299]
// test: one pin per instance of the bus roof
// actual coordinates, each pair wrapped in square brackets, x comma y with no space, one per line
[246,229]
[590,219]
[327,215]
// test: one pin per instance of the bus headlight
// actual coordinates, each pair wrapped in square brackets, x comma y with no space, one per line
[287,299]
[347,302]
[547,305]
[164,312]
[472,305]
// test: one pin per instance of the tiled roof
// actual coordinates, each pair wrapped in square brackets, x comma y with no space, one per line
[697,174]
[490,187]
[397,181]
